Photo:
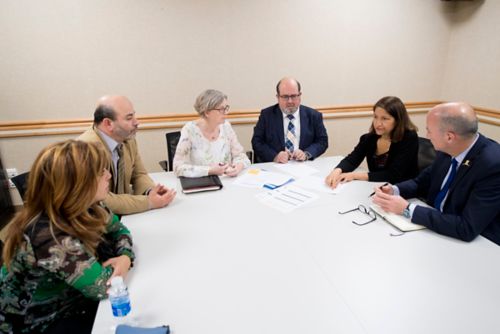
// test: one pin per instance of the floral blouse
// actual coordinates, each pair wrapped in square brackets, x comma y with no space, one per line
[195,153]
[48,276]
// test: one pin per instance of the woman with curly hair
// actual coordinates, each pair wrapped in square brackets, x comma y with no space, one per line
[63,247]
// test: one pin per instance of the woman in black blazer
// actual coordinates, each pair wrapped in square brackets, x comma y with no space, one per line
[390,148]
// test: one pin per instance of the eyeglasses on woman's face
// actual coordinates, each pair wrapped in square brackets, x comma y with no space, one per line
[223,110]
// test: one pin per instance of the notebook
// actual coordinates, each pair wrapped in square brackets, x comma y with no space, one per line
[199,184]
[398,221]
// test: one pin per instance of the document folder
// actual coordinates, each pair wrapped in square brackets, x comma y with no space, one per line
[199,184]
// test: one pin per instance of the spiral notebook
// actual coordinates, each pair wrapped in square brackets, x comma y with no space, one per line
[199,184]
[398,221]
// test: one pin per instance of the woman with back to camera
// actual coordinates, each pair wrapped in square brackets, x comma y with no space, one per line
[390,148]
[209,145]
[63,247]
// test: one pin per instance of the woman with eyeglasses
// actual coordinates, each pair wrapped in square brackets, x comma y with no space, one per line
[62,249]
[208,145]
[390,148]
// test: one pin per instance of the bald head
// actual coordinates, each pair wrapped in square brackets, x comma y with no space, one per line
[115,116]
[109,105]
[111,100]
[288,95]
[457,117]
[289,83]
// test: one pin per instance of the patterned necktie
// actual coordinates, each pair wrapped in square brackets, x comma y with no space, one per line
[120,173]
[442,193]
[291,139]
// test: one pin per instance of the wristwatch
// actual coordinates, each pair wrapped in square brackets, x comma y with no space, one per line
[406,212]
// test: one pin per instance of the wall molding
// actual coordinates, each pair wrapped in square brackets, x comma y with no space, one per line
[37,128]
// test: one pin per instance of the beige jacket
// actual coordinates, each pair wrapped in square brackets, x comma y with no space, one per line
[137,180]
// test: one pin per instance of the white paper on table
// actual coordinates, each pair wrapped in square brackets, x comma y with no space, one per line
[318,183]
[257,178]
[295,168]
[287,198]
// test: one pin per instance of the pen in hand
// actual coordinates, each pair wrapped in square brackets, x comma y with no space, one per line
[385,184]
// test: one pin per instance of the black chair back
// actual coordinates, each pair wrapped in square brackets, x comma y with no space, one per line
[250,156]
[256,158]
[1,252]
[426,153]
[21,183]
[172,141]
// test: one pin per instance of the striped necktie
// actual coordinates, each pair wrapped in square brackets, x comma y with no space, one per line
[446,187]
[291,139]
[120,173]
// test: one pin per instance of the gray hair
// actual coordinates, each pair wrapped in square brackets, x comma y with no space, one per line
[462,124]
[208,100]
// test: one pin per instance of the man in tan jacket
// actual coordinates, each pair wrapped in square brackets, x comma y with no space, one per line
[132,190]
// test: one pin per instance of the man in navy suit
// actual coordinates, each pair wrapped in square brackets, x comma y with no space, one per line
[463,183]
[289,130]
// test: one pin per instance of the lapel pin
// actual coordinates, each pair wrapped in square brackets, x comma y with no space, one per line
[466,163]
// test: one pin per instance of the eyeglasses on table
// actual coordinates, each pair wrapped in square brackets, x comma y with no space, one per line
[361,208]
[371,214]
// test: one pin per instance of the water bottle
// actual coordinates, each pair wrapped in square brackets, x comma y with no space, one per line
[120,301]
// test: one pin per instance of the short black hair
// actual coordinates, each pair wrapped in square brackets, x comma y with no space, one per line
[102,112]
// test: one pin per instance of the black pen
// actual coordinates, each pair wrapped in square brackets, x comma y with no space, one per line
[385,184]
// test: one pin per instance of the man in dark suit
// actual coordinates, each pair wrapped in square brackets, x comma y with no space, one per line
[289,130]
[463,183]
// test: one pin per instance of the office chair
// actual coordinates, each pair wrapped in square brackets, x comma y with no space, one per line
[21,183]
[163,165]
[426,153]
[249,155]
[172,139]
[256,158]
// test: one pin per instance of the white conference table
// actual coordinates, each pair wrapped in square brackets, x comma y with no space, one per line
[222,262]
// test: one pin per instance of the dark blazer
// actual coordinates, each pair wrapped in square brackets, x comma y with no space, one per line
[269,137]
[401,163]
[473,203]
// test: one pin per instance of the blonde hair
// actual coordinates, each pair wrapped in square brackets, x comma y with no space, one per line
[62,184]
[208,100]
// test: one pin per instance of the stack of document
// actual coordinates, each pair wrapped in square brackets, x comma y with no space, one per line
[297,169]
[286,190]
[287,198]
[259,178]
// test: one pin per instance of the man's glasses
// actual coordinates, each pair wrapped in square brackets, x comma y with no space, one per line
[364,210]
[223,110]
[287,97]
